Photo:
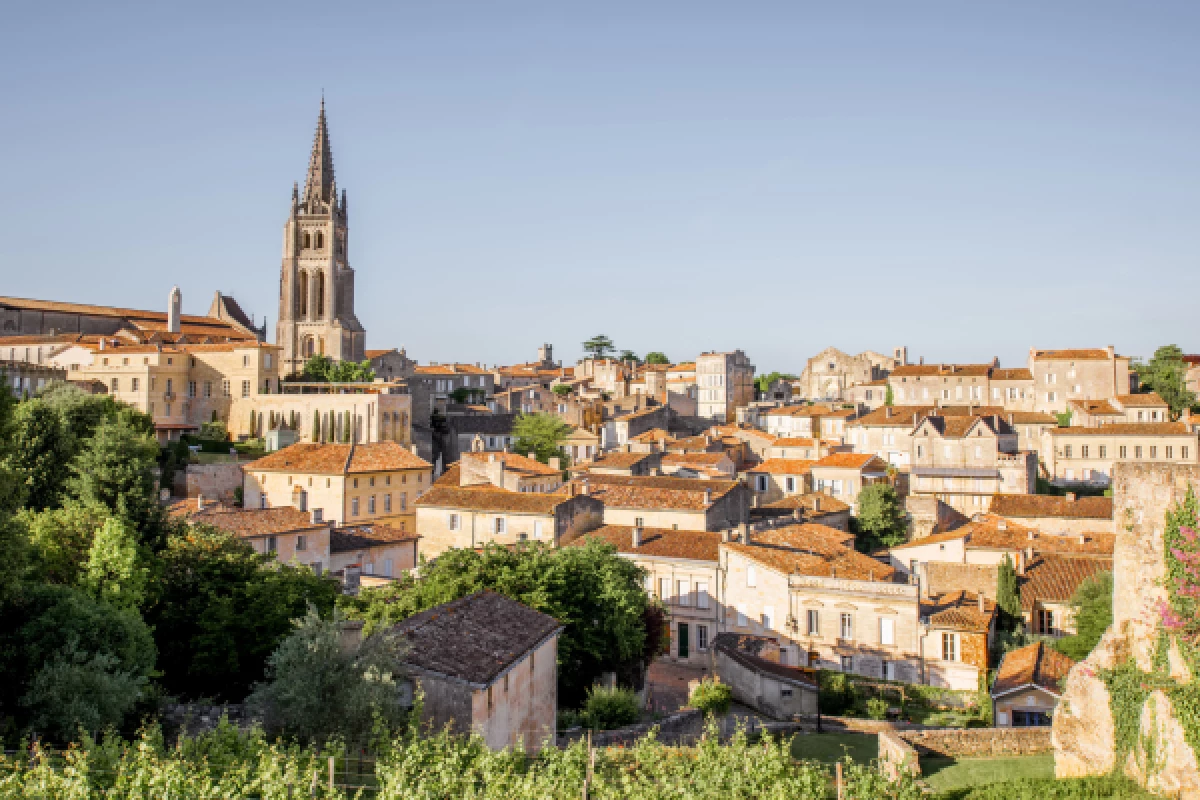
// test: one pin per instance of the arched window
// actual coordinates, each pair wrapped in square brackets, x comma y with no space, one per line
[320,292]
[320,240]
[307,240]
[302,295]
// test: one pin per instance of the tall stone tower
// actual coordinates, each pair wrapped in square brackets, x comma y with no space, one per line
[316,283]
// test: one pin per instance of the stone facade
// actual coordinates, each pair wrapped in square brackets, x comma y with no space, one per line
[831,373]
[316,282]
[724,381]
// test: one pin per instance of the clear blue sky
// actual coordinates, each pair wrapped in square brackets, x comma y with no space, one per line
[968,179]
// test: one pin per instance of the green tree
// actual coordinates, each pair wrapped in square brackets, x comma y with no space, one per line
[889,397]
[541,434]
[41,453]
[114,572]
[61,540]
[318,688]
[1092,604]
[81,412]
[219,609]
[563,389]
[114,470]
[881,522]
[656,357]
[598,346]
[1166,374]
[1008,594]
[596,594]
[316,428]
[764,381]
[13,543]
[629,355]
[316,368]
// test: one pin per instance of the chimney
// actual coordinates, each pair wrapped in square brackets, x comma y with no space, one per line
[1031,536]
[586,489]
[708,497]
[746,533]
[914,419]
[414,450]
[1028,555]
[637,536]
[797,515]
[1082,538]
[318,516]
[1070,497]
[888,413]
[726,535]
[922,360]
[102,342]
[980,598]
[174,307]
[554,462]
[199,502]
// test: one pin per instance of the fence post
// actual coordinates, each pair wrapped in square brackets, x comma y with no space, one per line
[331,774]
[837,769]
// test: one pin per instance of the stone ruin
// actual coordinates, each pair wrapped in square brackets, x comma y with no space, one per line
[1084,732]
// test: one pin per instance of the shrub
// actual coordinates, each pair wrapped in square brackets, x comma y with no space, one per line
[837,693]
[711,697]
[877,708]
[607,708]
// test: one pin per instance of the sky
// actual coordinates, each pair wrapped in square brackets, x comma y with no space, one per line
[967,179]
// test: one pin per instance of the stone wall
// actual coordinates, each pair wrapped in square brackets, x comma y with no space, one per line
[979,742]
[686,724]
[940,577]
[214,481]
[897,756]
[1083,723]
[192,719]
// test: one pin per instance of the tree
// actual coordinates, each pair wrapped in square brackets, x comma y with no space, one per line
[324,369]
[1008,595]
[889,397]
[563,389]
[114,470]
[656,357]
[598,346]
[1092,604]
[881,522]
[764,381]
[629,355]
[1166,374]
[114,572]
[594,592]
[318,688]
[540,434]
[316,368]
[41,453]
[219,609]
[61,540]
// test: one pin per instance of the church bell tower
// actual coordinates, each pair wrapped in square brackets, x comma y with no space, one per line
[316,283]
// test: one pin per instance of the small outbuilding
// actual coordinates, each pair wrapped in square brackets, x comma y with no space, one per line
[1028,686]
[751,667]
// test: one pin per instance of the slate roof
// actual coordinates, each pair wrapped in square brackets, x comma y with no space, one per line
[1054,578]
[1032,665]
[658,542]
[474,639]
[335,459]
[1044,505]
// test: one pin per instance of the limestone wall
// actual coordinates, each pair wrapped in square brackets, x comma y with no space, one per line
[1083,724]
[214,481]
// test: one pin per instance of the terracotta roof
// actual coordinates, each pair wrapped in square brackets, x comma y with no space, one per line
[1032,665]
[744,649]
[620,460]
[514,462]
[956,370]
[331,459]
[805,502]
[859,461]
[992,532]
[1031,418]
[1101,407]
[895,416]
[658,542]
[645,412]
[699,459]
[475,638]
[1042,505]
[684,494]
[1096,354]
[451,369]
[811,550]
[133,315]
[491,500]
[957,427]
[652,435]
[451,477]
[377,353]
[784,466]
[362,537]
[798,411]
[250,522]
[1135,400]
[959,609]
[1127,429]
[793,441]
[1054,578]
[1015,374]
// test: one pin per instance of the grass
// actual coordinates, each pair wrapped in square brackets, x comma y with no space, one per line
[830,747]
[1050,789]
[943,774]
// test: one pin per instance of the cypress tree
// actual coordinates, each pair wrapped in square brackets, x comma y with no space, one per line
[1008,597]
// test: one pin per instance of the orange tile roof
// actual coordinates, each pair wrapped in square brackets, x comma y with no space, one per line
[817,554]
[1032,665]
[492,499]
[784,466]
[514,462]
[450,369]
[619,460]
[1042,505]
[793,441]
[959,610]
[361,537]
[682,494]
[1099,407]
[1031,418]
[658,542]
[992,532]
[956,370]
[685,459]
[1128,429]
[859,461]
[1095,354]
[331,459]
[805,502]
[1015,374]
[1054,578]
[1136,400]
[251,522]
[653,435]
[957,427]
[451,477]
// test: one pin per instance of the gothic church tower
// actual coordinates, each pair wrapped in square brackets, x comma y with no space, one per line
[316,283]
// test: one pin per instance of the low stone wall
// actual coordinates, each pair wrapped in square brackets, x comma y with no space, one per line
[191,719]
[974,742]
[896,756]
[808,722]
[214,481]
[685,724]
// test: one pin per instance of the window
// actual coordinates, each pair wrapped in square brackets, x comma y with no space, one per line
[664,589]
[847,627]
[453,523]
[887,670]
[701,596]
[191,388]
[225,388]
[1170,451]
[887,631]
[1046,622]
[789,484]
[537,529]
[133,384]
[683,590]
[1153,452]
[741,615]
[115,385]
[272,545]
[1137,451]
[1103,450]
[1066,451]
[387,503]
[301,543]
[768,617]
[371,504]
[1083,451]
[501,526]
[949,647]
[404,501]
[701,637]
[245,388]
[371,481]
[813,622]
[978,451]
[751,577]
[1183,452]
[1051,379]
[354,507]
[1050,397]
[1122,451]
[847,664]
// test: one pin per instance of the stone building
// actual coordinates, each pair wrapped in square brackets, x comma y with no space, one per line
[27,378]
[510,471]
[964,460]
[831,374]
[1083,374]
[317,412]
[940,384]
[661,502]
[1047,585]
[1086,456]
[845,475]
[350,484]
[777,479]
[1028,686]
[957,628]
[316,282]
[390,365]
[724,381]
[487,665]
[750,666]
[1056,514]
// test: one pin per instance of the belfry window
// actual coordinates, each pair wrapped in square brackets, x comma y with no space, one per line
[307,240]
[320,240]
[302,294]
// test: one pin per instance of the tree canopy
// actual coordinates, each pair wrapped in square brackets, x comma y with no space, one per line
[881,522]
[656,357]
[1092,606]
[1008,595]
[598,346]
[629,355]
[764,381]
[594,592]
[325,370]
[1166,374]
[541,434]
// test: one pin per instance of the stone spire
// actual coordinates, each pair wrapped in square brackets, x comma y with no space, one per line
[320,186]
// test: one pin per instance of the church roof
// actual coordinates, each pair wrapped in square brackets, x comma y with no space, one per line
[319,184]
